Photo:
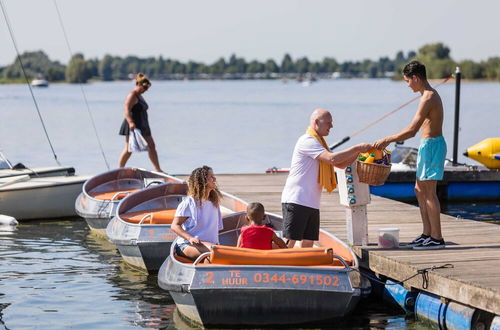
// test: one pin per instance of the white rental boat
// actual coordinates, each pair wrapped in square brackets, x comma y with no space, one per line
[141,226]
[101,194]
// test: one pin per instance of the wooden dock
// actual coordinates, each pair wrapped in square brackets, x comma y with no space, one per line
[473,248]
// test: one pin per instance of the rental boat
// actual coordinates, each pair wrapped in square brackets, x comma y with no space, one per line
[101,194]
[263,287]
[141,227]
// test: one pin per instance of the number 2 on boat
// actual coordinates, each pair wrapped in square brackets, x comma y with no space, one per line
[209,278]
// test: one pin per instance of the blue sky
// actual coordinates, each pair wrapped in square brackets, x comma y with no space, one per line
[257,29]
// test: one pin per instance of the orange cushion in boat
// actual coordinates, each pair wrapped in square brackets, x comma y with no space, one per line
[157,217]
[107,195]
[229,255]
[182,259]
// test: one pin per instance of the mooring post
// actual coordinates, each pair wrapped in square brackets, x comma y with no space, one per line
[354,195]
[458,76]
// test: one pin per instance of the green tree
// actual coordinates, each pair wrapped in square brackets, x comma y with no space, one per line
[35,63]
[434,51]
[492,68]
[105,68]
[471,70]
[271,67]
[255,67]
[77,70]
[302,65]
[218,67]
[329,64]
[436,58]
[287,65]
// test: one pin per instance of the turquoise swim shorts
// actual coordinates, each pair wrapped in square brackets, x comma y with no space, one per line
[431,157]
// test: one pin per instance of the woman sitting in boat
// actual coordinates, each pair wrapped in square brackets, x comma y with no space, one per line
[198,219]
[257,235]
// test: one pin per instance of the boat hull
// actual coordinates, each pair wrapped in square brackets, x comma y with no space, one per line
[458,185]
[145,245]
[97,213]
[145,256]
[259,295]
[41,198]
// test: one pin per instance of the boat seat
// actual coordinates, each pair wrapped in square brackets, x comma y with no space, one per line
[153,217]
[182,259]
[112,194]
[229,255]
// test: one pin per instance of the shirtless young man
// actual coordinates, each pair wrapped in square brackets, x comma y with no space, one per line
[431,154]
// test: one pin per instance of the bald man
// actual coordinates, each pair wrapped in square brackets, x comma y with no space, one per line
[301,196]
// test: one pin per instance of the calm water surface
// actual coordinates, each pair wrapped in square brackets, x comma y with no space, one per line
[56,275]
[234,126]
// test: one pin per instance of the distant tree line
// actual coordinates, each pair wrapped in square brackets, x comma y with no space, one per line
[435,56]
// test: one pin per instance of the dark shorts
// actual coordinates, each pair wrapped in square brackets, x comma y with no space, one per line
[300,222]
[179,248]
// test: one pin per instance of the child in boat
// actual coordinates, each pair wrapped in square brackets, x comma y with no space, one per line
[198,219]
[257,235]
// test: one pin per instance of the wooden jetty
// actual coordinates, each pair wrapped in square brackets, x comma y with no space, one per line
[473,248]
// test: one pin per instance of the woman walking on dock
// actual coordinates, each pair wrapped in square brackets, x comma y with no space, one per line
[136,116]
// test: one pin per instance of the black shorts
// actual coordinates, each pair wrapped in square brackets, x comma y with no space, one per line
[300,222]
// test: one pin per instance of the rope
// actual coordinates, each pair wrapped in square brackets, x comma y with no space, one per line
[7,21]
[81,87]
[383,117]
[422,271]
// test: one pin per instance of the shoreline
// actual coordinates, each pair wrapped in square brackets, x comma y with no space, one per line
[284,79]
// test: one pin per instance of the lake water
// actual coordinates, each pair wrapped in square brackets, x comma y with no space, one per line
[233,126]
[55,275]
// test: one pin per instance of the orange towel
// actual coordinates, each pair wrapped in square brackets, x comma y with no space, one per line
[326,176]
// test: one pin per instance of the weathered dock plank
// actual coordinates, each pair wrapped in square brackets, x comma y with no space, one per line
[473,248]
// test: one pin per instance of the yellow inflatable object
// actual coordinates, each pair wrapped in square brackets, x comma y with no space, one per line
[486,152]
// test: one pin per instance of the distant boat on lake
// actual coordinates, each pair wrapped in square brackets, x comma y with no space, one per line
[39,82]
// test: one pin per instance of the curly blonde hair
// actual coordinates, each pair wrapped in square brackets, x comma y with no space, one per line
[197,186]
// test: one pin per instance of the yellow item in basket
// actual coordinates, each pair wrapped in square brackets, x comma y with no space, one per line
[378,154]
[370,159]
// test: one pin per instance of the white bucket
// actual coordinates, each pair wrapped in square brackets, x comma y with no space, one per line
[388,238]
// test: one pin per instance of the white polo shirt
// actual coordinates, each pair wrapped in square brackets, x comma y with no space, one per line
[302,185]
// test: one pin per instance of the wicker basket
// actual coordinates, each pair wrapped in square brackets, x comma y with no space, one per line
[373,174]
